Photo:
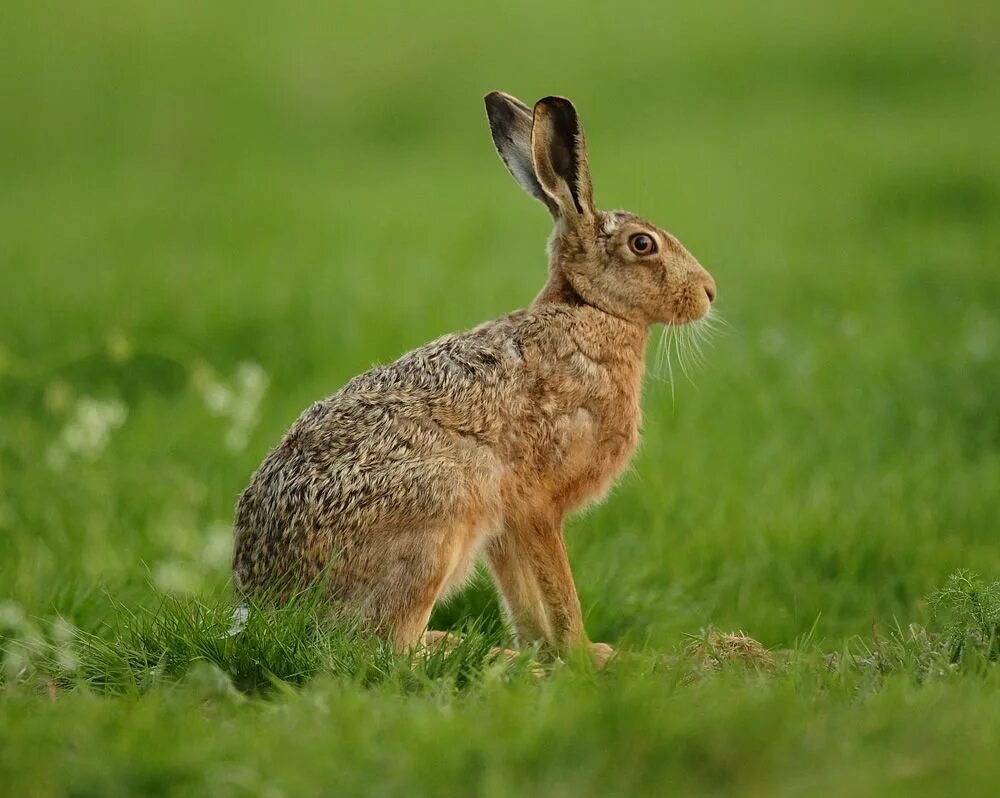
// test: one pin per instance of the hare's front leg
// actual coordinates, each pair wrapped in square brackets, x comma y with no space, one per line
[518,588]
[531,566]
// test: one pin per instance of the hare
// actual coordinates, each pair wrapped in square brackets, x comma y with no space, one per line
[481,442]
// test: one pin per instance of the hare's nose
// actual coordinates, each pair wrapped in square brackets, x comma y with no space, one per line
[710,290]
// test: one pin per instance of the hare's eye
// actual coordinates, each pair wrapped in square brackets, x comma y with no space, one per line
[642,244]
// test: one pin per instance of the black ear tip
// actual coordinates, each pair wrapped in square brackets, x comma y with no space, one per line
[497,100]
[556,102]
[498,109]
[500,103]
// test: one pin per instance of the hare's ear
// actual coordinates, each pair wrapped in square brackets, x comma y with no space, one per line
[559,153]
[510,124]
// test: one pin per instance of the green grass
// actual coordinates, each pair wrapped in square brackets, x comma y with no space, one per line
[214,214]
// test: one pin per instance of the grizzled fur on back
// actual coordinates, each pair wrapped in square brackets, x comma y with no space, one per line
[479,443]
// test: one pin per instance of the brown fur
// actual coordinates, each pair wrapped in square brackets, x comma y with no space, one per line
[479,442]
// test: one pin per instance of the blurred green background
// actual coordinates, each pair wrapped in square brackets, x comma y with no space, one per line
[212,214]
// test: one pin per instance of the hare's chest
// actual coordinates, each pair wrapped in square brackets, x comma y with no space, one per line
[592,445]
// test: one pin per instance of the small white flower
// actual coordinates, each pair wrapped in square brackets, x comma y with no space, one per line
[239,402]
[218,547]
[64,635]
[218,398]
[87,431]
[251,378]
[178,531]
[12,617]
[195,555]
[15,662]
[174,576]
[63,631]
[67,659]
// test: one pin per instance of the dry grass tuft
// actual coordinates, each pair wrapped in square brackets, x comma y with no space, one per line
[714,649]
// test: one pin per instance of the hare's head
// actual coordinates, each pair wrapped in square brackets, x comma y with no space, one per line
[612,260]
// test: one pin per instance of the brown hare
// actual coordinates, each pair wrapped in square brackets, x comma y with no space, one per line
[480,443]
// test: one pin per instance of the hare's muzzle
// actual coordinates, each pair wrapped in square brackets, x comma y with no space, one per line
[710,287]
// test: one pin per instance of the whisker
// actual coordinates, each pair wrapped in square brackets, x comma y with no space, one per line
[695,359]
[699,339]
[716,321]
[680,343]
[697,356]
[686,344]
[679,348]
[663,357]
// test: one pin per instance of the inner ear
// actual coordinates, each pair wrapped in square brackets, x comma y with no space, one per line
[564,150]
[560,155]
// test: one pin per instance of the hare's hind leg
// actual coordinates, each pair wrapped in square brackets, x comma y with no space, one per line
[414,576]
[426,541]
[400,605]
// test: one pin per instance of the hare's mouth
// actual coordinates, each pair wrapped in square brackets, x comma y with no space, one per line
[693,305]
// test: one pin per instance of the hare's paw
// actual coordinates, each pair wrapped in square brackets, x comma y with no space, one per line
[435,642]
[601,653]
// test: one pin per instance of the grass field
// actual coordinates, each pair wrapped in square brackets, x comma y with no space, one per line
[213,214]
